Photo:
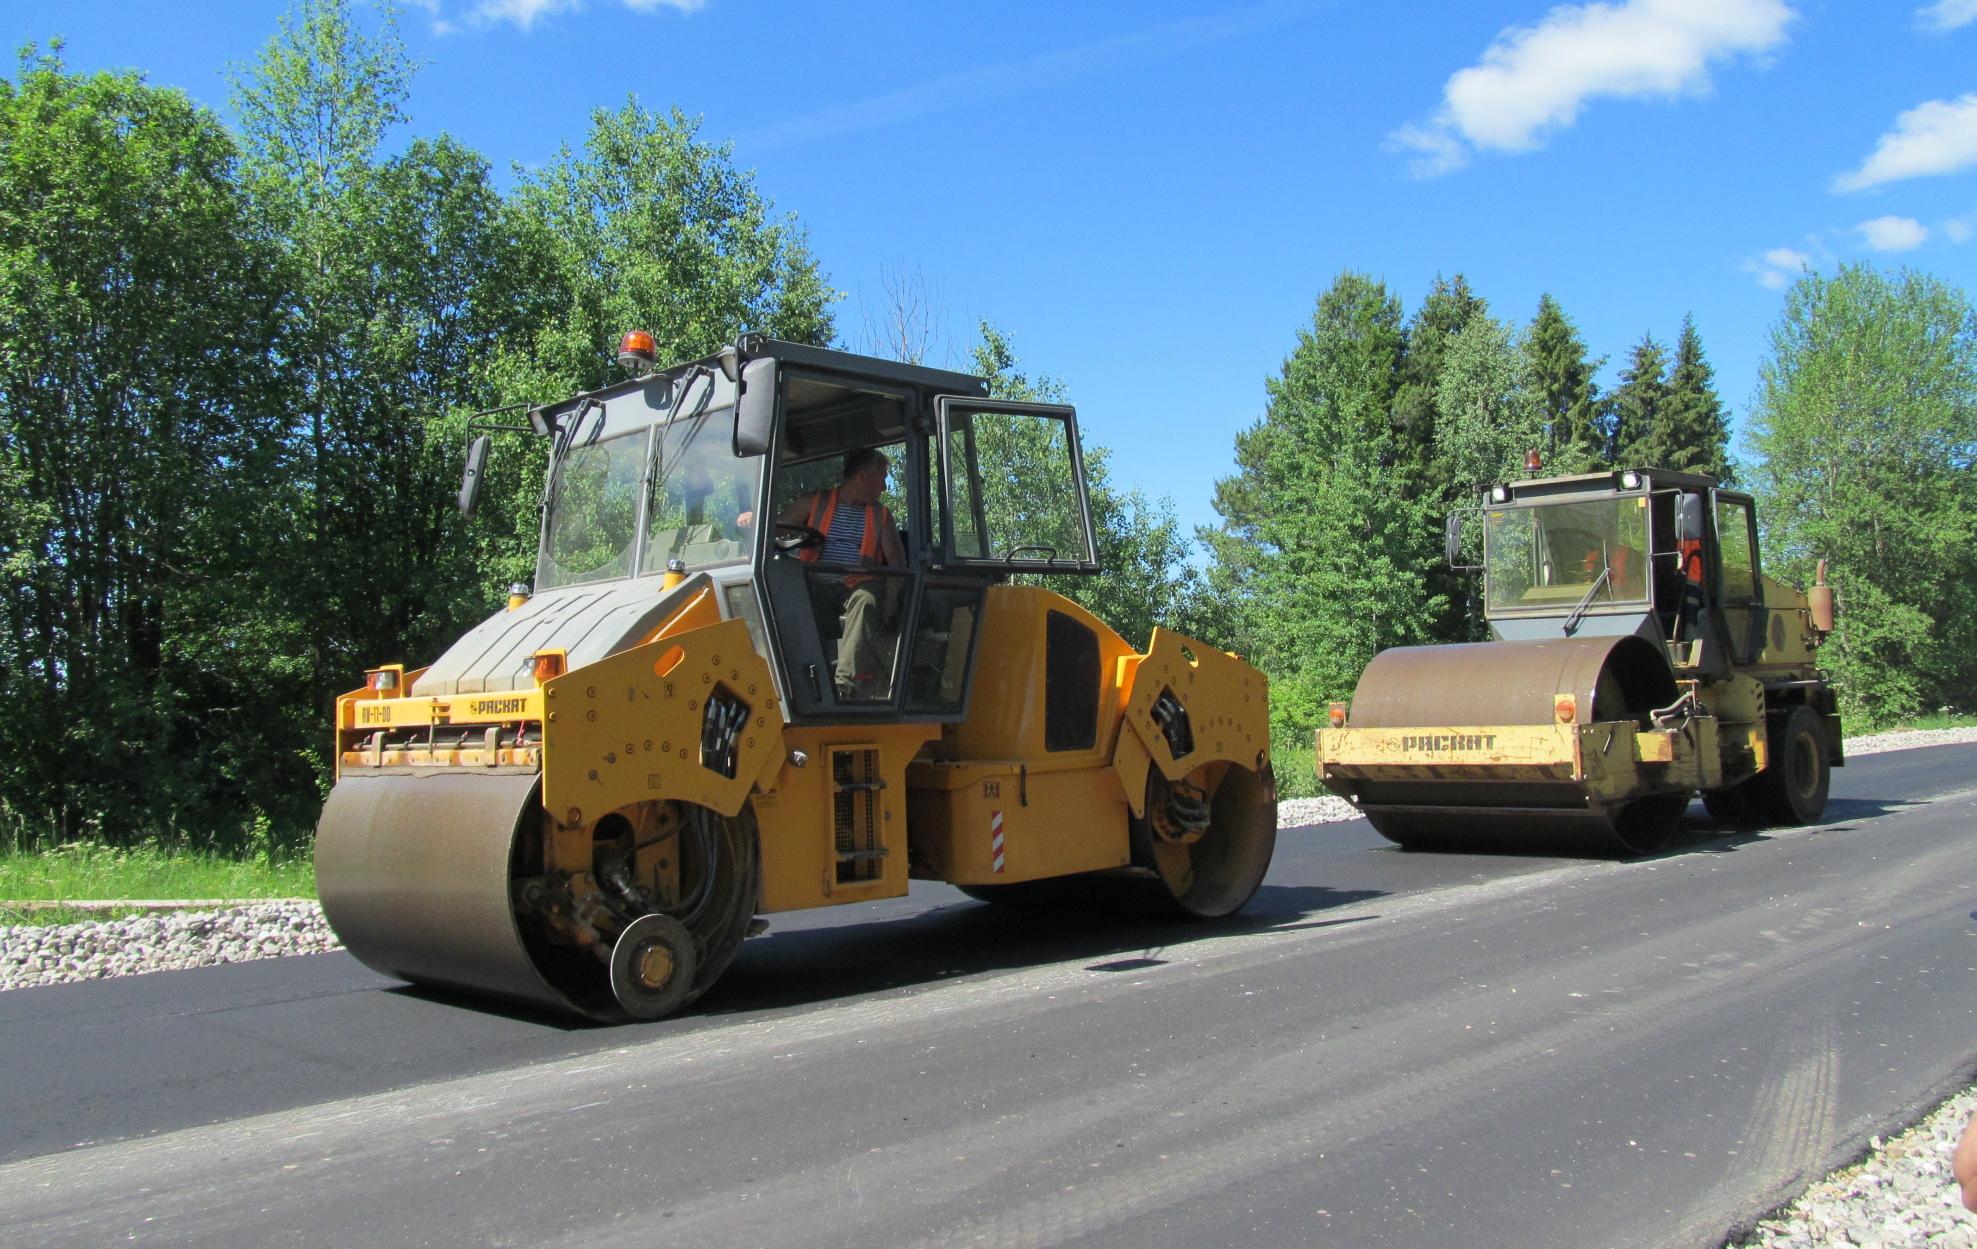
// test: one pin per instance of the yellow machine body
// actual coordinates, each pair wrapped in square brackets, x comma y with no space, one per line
[599,834]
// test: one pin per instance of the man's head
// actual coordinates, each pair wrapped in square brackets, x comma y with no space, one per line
[864,475]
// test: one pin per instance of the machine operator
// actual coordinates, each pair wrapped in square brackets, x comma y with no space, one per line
[857,529]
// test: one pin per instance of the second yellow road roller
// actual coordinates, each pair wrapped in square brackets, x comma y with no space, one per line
[775,656]
[1639,656]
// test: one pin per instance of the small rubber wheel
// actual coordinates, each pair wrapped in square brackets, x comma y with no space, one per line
[652,966]
[1793,789]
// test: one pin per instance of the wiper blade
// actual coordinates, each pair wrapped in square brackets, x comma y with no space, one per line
[1572,621]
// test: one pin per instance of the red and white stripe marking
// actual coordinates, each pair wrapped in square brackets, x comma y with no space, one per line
[995,839]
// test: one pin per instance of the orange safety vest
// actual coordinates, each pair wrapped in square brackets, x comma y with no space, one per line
[1691,558]
[823,509]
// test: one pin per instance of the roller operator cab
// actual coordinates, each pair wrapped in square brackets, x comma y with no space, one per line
[1639,657]
[774,659]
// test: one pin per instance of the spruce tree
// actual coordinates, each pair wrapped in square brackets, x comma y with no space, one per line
[1447,310]
[1323,556]
[1637,404]
[1691,433]
[1567,394]
[1491,415]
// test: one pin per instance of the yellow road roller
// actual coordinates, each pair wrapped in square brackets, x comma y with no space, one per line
[774,657]
[1639,657]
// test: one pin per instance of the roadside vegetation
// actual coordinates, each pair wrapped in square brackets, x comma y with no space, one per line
[1935,720]
[93,872]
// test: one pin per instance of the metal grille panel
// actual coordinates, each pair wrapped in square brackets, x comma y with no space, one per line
[855,789]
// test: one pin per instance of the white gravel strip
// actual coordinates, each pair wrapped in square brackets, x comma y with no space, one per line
[1901,1194]
[57,953]
[1908,740]
[1297,812]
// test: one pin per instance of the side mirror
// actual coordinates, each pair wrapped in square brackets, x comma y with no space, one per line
[755,407]
[470,481]
[1452,541]
[1689,518]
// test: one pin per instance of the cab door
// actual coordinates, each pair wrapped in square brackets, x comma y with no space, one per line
[1739,594]
[1011,481]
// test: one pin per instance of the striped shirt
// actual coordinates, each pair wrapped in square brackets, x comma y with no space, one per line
[846,535]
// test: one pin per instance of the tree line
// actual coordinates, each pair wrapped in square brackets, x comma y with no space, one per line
[235,369]
[236,365]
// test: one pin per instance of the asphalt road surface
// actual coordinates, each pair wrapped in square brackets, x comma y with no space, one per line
[1385,1049]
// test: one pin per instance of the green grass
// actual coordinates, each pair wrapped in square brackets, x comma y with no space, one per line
[86,871]
[1296,764]
[1933,721]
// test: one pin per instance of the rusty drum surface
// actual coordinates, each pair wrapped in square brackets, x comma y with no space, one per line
[1511,682]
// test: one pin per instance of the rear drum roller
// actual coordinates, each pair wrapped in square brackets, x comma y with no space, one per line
[1792,790]
[1208,872]
[1644,825]
[1736,807]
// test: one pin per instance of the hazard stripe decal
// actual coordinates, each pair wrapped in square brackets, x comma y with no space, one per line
[995,840]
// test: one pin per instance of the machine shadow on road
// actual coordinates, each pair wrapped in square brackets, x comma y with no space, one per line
[818,964]
[1701,834]
[969,938]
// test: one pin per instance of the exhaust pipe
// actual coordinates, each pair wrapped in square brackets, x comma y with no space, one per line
[1820,599]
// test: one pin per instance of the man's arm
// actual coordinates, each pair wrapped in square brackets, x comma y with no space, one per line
[792,514]
[891,553]
[796,509]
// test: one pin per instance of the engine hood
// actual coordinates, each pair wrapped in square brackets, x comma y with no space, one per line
[586,622]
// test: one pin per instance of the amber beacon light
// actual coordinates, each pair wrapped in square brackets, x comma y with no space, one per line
[637,352]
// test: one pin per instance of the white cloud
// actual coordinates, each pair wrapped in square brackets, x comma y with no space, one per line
[524,14]
[1778,268]
[1947,15]
[1436,149]
[1535,80]
[438,23]
[1938,137]
[1959,229]
[1894,234]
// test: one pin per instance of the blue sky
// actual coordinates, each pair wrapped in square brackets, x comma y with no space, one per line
[1149,198]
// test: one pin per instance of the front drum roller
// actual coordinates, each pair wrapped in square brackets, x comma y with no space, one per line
[417,875]
[414,871]
[1514,683]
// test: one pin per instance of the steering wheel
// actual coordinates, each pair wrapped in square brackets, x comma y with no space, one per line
[794,535]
